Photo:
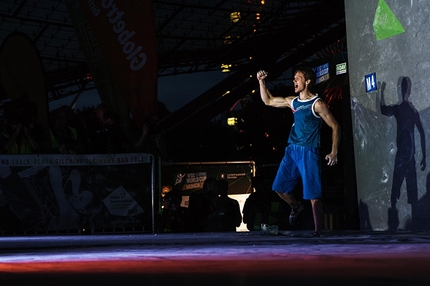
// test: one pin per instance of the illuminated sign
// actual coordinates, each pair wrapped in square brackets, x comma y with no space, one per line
[322,73]
[231,121]
[340,68]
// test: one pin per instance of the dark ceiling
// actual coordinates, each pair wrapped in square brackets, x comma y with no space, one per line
[192,36]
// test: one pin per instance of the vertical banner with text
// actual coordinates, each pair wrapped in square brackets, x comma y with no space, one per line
[125,31]
[106,85]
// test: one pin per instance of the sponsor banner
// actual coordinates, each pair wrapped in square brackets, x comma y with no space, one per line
[191,181]
[321,70]
[62,192]
[106,85]
[22,75]
[74,160]
[121,203]
[322,73]
[125,31]
[189,177]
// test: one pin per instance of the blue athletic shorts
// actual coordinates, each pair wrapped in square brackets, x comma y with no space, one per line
[304,162]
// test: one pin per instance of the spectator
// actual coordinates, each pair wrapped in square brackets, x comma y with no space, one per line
[21,133]
[172,215]
[164,191]
[199,205]
[64,138]
[263,207]
[17,138]
[151,140]
[108,136]
[226,214]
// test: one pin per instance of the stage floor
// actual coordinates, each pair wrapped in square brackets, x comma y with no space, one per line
[242,258]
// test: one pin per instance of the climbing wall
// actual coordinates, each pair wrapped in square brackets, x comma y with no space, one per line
[389,70]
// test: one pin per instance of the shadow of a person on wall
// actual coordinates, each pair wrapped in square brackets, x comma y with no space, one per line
[421,216]
[407,118]
[365,223]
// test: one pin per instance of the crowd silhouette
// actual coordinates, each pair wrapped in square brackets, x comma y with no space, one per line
[97,130]
[209,210]
[91,131]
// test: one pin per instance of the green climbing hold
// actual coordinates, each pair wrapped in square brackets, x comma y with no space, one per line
[386,23]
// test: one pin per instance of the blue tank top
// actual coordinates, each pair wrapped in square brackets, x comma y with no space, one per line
[306,128]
